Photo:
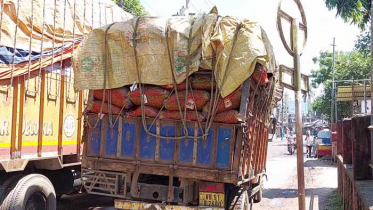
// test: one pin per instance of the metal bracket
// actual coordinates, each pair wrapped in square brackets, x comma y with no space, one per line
[134,187]
[170,196]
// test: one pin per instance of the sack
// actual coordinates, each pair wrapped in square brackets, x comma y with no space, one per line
[181,86]
[232,101]
[119,97]
[95,107]
[153,96]
[203,82]
[149,112]
[260,74]
[198,102]
[230,116]
[175,115]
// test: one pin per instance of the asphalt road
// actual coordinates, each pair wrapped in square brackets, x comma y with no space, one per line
[281,192]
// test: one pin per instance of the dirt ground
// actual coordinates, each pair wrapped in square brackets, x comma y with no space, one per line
[281,188]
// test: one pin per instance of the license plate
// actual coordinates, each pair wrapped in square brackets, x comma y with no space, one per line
[211,199]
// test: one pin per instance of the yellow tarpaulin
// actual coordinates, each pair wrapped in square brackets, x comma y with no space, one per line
[162,50]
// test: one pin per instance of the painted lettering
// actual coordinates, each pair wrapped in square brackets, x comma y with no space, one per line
[4,127]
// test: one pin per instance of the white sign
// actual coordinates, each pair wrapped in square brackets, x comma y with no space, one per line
[69,126]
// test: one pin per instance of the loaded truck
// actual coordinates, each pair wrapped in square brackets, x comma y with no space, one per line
[41,121]
[178,111]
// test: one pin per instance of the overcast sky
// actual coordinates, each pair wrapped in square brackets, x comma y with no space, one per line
[323,24]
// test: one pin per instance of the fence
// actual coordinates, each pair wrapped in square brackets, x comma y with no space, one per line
[355,183]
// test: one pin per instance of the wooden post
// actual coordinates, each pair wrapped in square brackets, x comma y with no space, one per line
[346,141]
[13,136]
[339,138]
[361,148]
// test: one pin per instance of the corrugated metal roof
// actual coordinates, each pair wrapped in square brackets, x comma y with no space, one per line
[345,93]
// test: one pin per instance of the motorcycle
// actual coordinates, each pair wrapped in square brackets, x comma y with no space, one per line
[291,145]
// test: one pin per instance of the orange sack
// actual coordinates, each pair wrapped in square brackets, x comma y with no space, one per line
[202,82]
[198,102]
[232,101]
[154,96]
[181,86]
[260,74]
[149,112]
[95,107]
[230,116]
[175,115]
[119,96]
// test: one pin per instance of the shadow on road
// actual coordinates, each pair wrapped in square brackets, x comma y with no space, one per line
[321,193]
[84,202]
[318,163]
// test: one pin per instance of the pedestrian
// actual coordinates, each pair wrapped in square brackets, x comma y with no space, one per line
[309,143]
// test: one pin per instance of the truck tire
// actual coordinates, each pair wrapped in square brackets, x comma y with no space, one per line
[33,191]
[238,199]
[7,186]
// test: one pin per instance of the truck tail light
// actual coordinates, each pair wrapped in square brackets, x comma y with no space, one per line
[211,187]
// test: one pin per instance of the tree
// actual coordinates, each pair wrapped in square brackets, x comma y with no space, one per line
[356,11]
[348,65]
[132,6]
[363,43]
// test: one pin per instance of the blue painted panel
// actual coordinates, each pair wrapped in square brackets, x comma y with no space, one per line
[204,148]
[147,143]
[111,139]
[186,146]
[224,142]
[96,137]
[128,139]
[167,146]
[326,140]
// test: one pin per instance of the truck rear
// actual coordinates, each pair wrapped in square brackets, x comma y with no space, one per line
[178,112]
[41,114]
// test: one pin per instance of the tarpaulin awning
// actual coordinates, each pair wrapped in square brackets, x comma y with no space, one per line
[352,93]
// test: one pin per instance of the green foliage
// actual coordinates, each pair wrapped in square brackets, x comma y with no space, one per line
[352,65]
[363,43]
[356,11]
[132,6]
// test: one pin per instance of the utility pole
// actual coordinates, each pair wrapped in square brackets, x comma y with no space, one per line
[282,116]
[333,102]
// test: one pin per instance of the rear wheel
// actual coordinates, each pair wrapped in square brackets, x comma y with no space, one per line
[32,192]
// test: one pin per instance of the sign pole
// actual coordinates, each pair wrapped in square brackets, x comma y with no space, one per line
[296,85]
[298,116]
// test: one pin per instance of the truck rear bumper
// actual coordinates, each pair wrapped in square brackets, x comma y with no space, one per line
[137,205]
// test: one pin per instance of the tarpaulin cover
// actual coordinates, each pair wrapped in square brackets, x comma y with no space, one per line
[162,50]
[43,32]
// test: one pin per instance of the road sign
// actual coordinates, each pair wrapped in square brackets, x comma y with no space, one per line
[296,85]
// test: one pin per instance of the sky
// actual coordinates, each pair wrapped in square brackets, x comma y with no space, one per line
[323,24]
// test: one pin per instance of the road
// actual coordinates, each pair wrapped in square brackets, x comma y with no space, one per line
[280,190]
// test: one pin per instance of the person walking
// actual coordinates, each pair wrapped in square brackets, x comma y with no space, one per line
[309,143]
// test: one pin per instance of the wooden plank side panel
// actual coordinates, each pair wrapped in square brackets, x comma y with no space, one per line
[361,148]
[346,141]
[339,138]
